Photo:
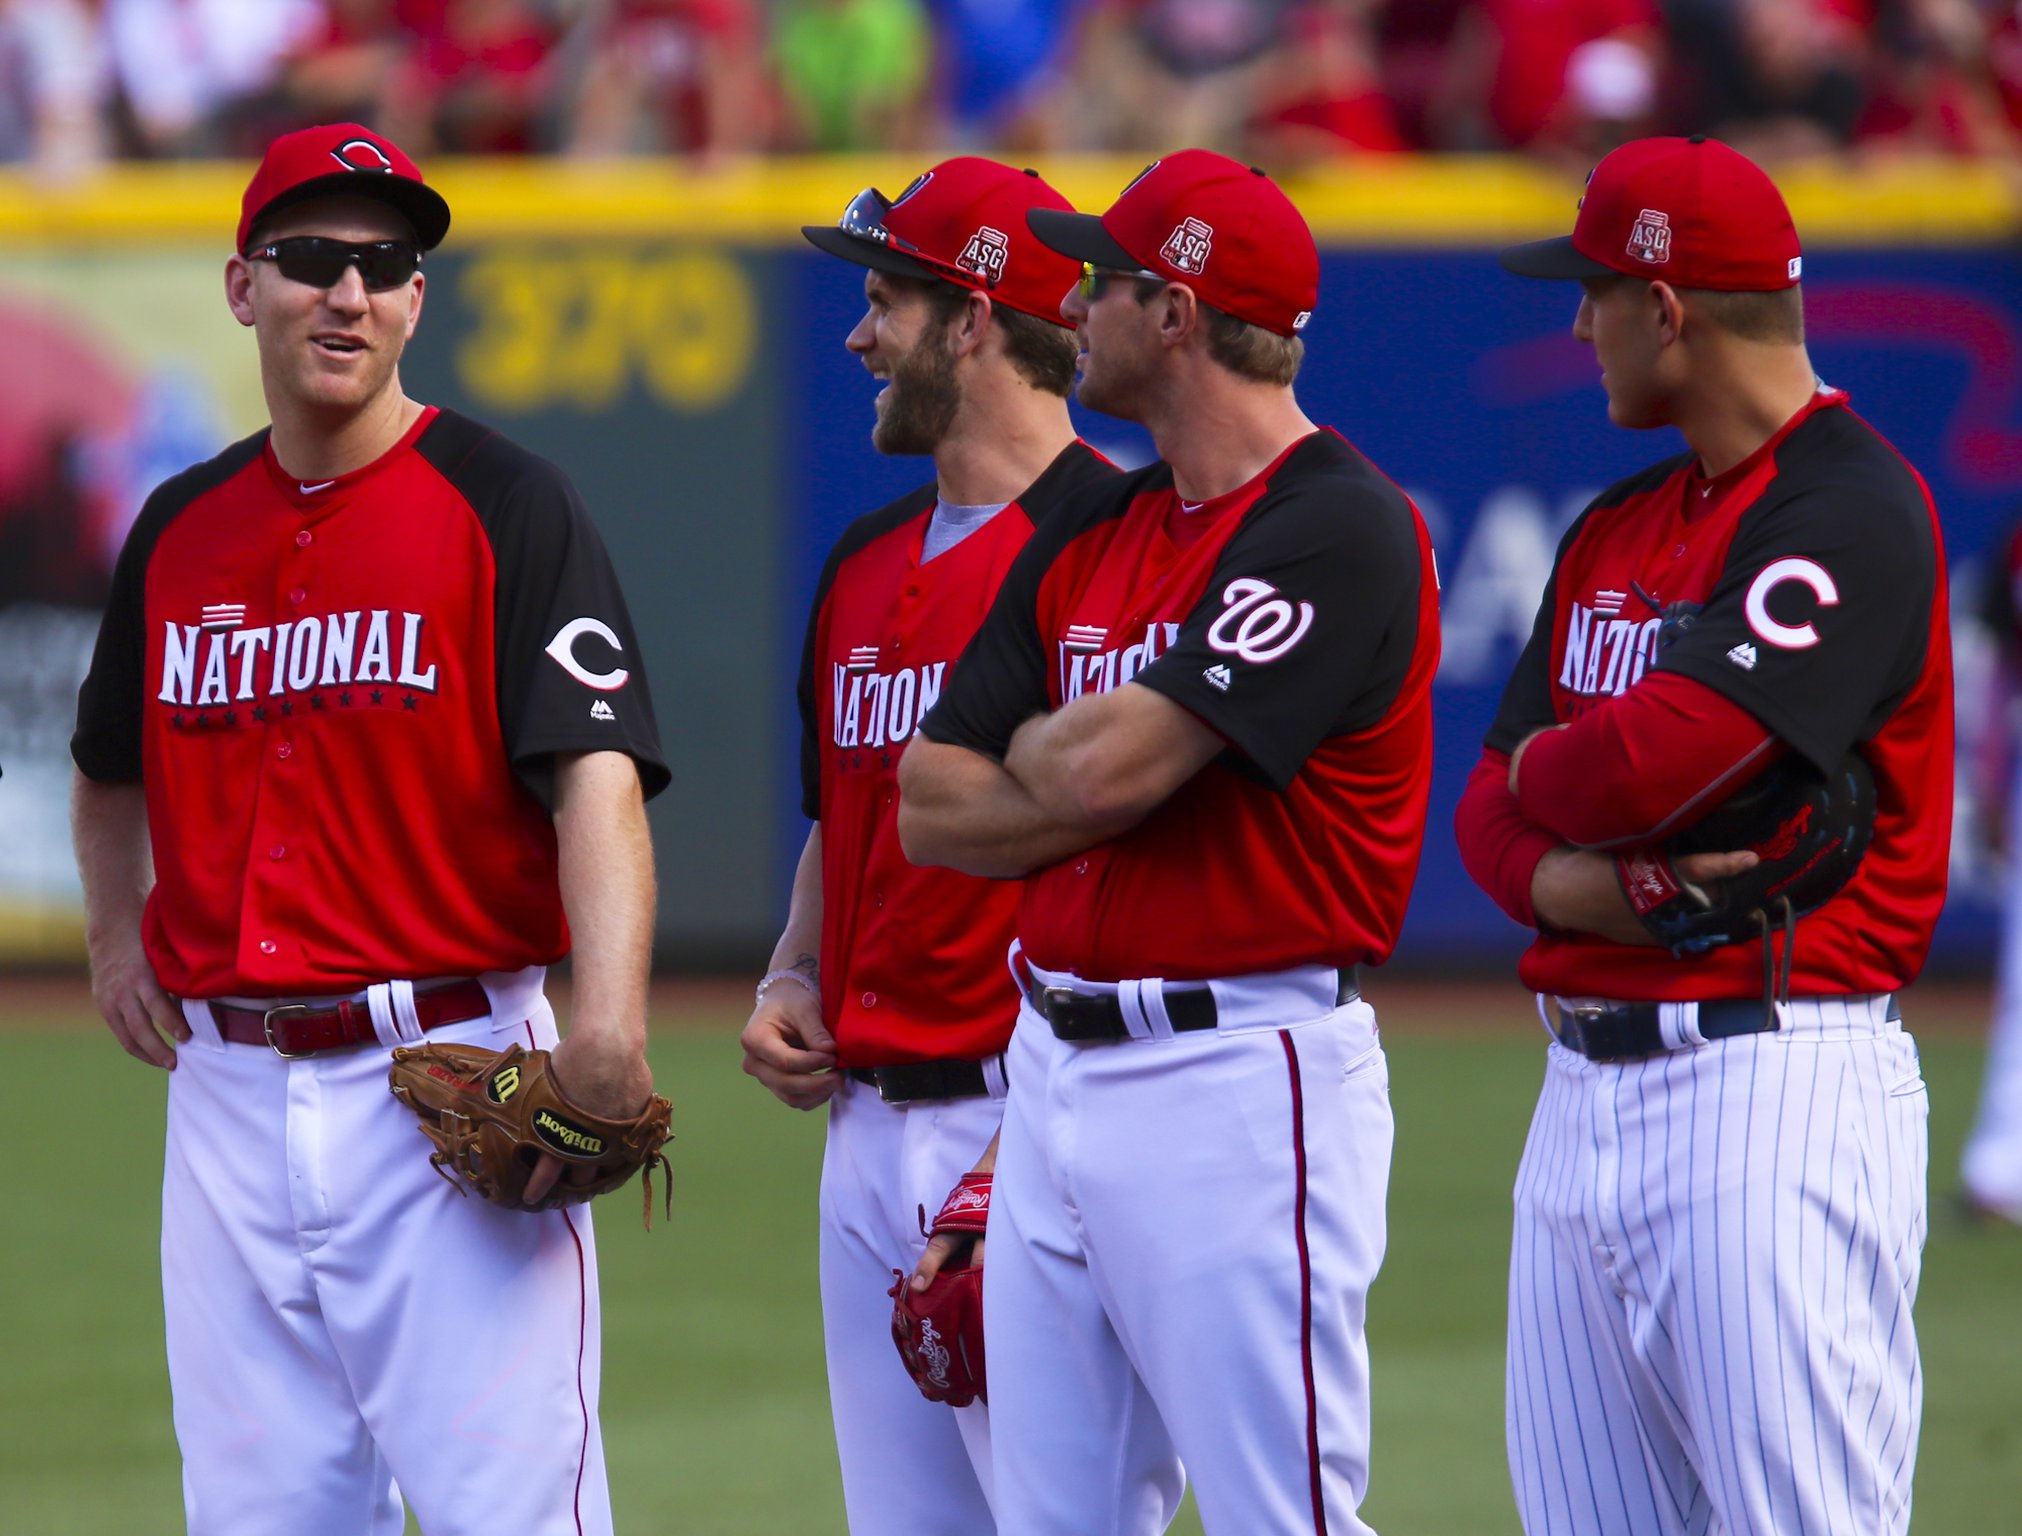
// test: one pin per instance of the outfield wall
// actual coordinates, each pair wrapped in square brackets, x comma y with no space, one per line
[671,342]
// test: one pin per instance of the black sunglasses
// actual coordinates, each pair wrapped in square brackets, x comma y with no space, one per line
[1095,280]
[865,218]
[320,261]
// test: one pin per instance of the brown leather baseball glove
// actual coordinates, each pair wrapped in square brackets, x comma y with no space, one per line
[939,1331]
[493,1114]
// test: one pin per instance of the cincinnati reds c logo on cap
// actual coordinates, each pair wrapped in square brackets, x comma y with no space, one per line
[563,649]
[1791,637]
[361,155]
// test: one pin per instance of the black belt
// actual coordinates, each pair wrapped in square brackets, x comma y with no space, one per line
[1076,1015]
[905,1081]
[1602,1031]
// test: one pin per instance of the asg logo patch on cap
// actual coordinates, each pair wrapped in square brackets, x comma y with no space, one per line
[1650,236]
[1187,247]
[985,254]
[361,155]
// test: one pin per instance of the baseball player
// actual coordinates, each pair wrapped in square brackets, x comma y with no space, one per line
[1720,1211]
[1198,720]
[1991,1167]
[362,745]
[888,997]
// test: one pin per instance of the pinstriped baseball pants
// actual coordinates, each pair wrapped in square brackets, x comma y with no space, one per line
[1716,1252]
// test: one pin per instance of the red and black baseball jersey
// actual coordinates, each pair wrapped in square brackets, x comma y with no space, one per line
[912,959]
[344,699]
[1298,617]
[1819,569]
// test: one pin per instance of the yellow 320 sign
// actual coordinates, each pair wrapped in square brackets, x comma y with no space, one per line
[573,326]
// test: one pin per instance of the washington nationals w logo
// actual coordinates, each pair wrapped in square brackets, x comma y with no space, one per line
[1258,625]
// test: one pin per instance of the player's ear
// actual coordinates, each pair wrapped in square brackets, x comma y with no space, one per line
[968,329]
[1667,312]
[239,288]
[414,291]
[1179,314]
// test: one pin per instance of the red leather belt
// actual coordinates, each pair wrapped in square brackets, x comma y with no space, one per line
[303,1029]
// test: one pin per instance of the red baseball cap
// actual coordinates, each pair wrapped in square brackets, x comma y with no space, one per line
[1219,226]
[1690,211]
[962,222]
[342,160]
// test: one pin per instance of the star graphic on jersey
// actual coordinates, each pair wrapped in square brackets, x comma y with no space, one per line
[315,701]
[202,720]
[260,712]
[287,706]
[176,720]
[410,702]
[344,698]
[231,717]
[378,696]
[884,759]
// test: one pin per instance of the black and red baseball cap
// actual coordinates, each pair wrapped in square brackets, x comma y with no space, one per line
[1221,227]
[962,222]
[1690,211]
[342,160]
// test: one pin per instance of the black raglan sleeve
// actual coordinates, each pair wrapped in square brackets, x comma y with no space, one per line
[1308,626]
[106,745]
[1821,617]
[570,675]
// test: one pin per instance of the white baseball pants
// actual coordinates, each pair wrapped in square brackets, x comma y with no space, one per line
[1715,1256]
[1182,1239]
[345,1330]
[908,1466]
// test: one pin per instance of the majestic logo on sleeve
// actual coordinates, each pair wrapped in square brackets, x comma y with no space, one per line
[1650,237]
[1257,624]
[563,649]
[218,663]
[1807,573]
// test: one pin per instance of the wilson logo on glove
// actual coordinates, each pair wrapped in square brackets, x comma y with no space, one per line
[492,1115]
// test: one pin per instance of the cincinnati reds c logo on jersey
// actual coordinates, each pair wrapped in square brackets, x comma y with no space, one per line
[1258,625]
[563,649]
[1791,637]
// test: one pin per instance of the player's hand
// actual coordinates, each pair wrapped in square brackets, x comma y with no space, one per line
[949,1246]
[788,1048]
[140,1013]
[1576,890]
[606,1075]
[945,1249]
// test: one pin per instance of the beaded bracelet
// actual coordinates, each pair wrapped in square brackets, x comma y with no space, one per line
[788,975]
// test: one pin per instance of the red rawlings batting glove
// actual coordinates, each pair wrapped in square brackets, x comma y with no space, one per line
[939,1331]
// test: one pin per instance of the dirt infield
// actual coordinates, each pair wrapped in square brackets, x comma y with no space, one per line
[1420,1004]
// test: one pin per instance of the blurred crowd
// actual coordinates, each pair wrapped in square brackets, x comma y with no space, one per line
[82,81]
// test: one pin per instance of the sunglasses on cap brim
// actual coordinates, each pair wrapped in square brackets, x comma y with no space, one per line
[1096,280]
[865,219]
[320,262]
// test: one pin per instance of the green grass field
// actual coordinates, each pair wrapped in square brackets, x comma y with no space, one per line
[715,1413]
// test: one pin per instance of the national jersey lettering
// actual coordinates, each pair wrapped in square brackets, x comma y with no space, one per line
[877,709]
[375,645]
